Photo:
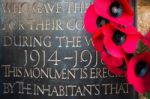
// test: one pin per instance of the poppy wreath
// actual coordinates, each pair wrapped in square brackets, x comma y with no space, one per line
[123,49]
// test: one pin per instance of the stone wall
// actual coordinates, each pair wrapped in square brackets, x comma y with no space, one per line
[143,16]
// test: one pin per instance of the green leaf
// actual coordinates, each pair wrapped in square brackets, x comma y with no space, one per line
[148,95]
[141,47]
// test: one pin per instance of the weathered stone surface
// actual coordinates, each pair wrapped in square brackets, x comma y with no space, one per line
[143,16]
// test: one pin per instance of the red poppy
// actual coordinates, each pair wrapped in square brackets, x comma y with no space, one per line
[118,11]
[119,41]
[138,72]
[92,20]
[115,65]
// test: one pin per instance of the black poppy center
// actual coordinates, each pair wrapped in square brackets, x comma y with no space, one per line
[141,69]
[119,37]
[101,21]
[129,56]
[116,9]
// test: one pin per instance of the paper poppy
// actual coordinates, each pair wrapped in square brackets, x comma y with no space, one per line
[138,72]
[92,21]
[117,41]
[118,11]
[114,64]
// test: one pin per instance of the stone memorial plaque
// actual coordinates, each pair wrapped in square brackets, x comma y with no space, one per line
[45,53]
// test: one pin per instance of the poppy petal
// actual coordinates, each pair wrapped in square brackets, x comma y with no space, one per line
[140,83]
[126,29]
[110,60]
[98,40]
[108,30]
[113,49]
[112,63]
[104,11]
[90,19]
[110,46]
[115,71]
[131,43]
